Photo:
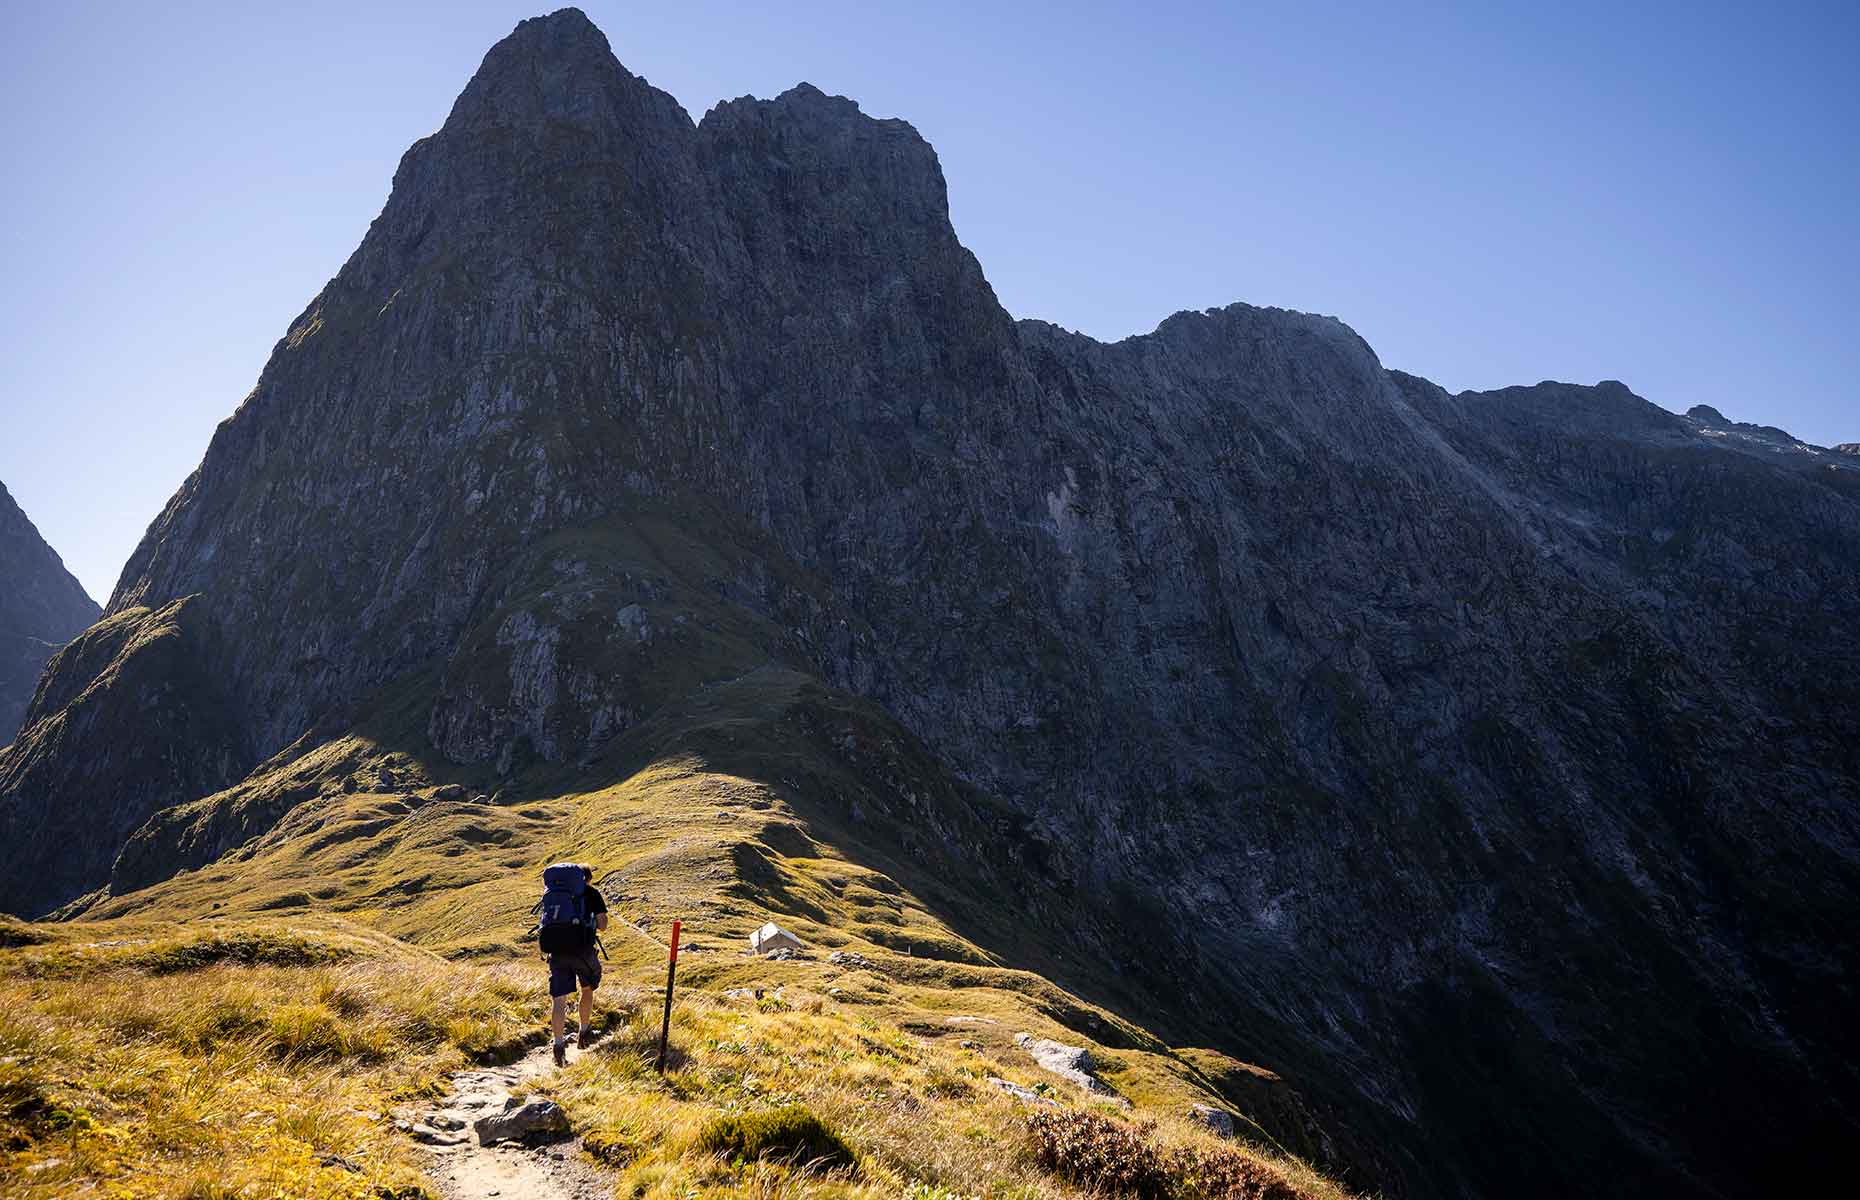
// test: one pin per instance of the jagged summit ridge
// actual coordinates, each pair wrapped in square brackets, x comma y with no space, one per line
[1365,720]
[1759,439]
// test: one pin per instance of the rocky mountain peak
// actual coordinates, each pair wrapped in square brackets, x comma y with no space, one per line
[556,68]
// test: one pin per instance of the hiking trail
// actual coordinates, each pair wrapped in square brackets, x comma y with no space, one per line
[462,1169]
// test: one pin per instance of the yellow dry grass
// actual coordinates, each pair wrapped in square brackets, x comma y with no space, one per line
[159,1066]
[263,1059]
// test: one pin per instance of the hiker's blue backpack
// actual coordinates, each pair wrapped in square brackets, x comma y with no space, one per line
[564,922]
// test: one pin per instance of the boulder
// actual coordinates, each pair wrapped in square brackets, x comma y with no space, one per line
[1071,1063]
[1216,1120]
[527,1118]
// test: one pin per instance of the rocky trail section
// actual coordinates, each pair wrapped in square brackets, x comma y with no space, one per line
[486,1143]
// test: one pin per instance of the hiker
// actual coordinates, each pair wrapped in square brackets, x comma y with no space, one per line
[573,914]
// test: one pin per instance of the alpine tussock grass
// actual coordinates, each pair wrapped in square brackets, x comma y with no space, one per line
[266,1061]
[166,1068]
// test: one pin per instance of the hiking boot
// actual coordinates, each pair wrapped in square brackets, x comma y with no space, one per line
[561,1052]
[584,1039]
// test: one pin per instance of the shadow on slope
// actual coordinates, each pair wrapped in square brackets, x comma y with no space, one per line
[766,797]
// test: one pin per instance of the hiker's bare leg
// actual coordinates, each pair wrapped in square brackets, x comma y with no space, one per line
[587,1008]
[558,1008]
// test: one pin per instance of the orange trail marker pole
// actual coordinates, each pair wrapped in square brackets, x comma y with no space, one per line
[671,975]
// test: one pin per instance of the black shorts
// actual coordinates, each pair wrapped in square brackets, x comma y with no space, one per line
[569,965]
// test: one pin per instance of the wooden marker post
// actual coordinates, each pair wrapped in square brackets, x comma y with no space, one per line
[671,976]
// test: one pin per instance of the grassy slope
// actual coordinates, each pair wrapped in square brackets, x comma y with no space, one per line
[386,915]
[265,1058]
[250,1058]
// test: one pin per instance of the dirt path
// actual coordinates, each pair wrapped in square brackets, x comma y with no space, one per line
[464,1170]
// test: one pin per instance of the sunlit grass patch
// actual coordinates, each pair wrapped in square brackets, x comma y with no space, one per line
[234,1076]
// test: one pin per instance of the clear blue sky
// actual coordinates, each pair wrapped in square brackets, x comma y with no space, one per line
[1663,193]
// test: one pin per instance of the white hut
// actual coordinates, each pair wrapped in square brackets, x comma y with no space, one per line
[772,937]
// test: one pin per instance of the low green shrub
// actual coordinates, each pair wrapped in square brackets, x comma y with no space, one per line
[608,1148]
[792,1132]
[18,933]
[246,949]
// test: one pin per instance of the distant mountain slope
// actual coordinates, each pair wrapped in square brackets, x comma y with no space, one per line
[42,606]
[1483,764]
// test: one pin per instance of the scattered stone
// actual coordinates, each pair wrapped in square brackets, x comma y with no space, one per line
[1072,1063]
[850,959]
[749,993]
[450,791]
[427,1135]
[1025,1095]
[1217,1120]
[531,1117]
[771,938]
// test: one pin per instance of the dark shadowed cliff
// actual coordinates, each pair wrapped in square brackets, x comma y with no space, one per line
[41,608]
[1488,765]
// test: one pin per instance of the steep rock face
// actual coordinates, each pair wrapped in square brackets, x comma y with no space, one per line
[129,715]
[41,608]
[1484,763]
